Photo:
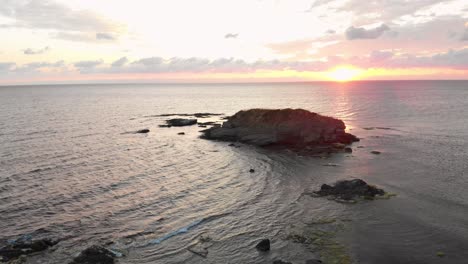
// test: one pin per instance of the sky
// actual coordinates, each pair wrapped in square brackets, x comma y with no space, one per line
[79,41]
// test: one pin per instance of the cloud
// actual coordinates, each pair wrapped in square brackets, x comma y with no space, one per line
[30,51]
[6,66]
[367,12]
[37,66]
[196,65]
[120,62]
[231,35]
[50,15]
[317,3]
[71,36]
[451,59]
[87,66]
[464,36]
[353,33]
[104,36]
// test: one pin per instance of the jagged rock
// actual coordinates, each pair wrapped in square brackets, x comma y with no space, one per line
[94,255]
[349,189]
[292,127]
[181,122]
[263,245]
[17,249]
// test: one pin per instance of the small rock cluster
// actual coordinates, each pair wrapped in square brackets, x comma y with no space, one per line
[17,249]
[348,190]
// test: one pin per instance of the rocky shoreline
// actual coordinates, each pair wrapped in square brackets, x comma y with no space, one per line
[295,129]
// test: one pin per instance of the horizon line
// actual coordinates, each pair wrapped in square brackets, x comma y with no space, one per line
[227,83]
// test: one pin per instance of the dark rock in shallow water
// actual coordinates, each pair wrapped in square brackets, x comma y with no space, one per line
[348,150]
[375,152]
[200,115]
[279,261]
[251,170]
[292,127]
[349,189]
[181,133]
[207,123]
[181,122]
[263,245]
[313,261]
[94,255]
[25,248]
[143,131]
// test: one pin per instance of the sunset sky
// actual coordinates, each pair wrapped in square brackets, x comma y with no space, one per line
[57,41]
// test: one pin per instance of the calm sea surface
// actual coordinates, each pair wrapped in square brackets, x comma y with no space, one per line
[69,169]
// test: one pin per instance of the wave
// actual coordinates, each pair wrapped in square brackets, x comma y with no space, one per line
[185,229]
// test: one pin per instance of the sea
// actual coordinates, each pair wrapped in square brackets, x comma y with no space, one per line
[72,168]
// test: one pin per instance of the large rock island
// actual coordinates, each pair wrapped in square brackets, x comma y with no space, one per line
[285,127]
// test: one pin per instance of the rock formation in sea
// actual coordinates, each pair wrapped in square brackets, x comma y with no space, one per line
[294,127]
[347,190]
[181,122]
[94,255]
[17,249]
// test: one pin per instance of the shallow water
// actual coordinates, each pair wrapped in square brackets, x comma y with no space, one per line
[70,170]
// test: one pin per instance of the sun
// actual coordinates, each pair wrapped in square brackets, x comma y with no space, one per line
[344,74]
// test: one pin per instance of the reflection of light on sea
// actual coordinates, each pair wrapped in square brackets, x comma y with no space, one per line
[342,105]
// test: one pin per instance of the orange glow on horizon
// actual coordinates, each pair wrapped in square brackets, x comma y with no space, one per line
[338,74]
[344,74]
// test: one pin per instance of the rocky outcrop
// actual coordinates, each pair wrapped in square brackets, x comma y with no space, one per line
[18,249]
[181,122]
[263,245]
[295,127]
[94,255]
[348,190]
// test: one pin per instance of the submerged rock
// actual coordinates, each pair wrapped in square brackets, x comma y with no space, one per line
[375,152]
[350,189]
[94,255]
[181,122]
[17,249]
[143,131]
[287,127]
[313,261]
[211,123]
[200,115]
[279,261]
[263,245]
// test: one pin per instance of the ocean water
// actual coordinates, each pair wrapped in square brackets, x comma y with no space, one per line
[69,169]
